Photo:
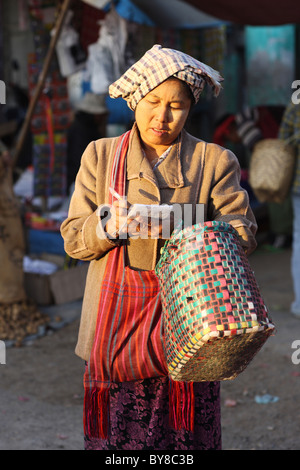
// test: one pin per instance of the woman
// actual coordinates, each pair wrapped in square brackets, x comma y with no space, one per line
[164,165]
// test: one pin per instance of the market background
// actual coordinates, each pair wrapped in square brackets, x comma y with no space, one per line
[41,383]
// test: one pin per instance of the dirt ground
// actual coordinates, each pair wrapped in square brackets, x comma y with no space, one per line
[41,383]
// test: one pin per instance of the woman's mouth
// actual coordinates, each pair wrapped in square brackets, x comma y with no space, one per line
[159,132]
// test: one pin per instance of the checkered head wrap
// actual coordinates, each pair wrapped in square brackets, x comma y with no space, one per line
[155,67]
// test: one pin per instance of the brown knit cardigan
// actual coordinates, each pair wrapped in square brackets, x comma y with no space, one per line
[194,172]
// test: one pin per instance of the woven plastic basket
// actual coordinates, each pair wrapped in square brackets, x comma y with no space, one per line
[214,317]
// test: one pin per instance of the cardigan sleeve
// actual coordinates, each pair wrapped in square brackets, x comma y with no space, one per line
[229,202]
[286,129]
[82,231]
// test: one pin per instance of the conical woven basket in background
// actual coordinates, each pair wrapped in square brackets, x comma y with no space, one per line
[271,170]
[214,317]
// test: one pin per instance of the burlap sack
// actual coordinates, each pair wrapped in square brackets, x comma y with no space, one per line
[12,242]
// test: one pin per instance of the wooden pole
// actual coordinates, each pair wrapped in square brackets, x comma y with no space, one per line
[41,80]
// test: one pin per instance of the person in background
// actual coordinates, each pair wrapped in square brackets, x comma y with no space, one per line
[246,129]
[290,127]
[226,135]
[89,124]
[163,165]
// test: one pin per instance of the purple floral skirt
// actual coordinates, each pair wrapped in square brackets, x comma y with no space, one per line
[139,418]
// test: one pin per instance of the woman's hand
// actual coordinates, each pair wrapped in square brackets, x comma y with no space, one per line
[118,219]
[138,224]
[143,226]
[120,224]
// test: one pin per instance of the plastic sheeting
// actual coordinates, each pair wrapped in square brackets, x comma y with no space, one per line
[256,12]
[269,64]
[161,13]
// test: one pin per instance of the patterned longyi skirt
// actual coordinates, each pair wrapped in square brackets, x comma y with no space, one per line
[139,418]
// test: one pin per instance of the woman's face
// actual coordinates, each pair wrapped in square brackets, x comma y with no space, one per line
[161,114]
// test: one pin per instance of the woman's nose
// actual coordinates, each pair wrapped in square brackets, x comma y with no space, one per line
[162,114]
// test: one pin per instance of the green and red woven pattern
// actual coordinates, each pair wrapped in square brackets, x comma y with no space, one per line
[210,297]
